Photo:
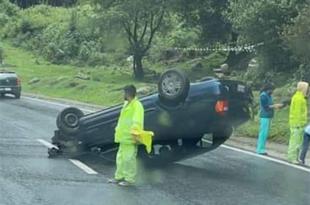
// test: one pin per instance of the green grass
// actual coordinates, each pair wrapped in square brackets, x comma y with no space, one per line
[103,88]
[279,131]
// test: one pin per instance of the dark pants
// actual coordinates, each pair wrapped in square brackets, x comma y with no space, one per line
[304,147]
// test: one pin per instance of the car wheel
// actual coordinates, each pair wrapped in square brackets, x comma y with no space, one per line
[17,95]
[220,136]
[68,120]
[53,153]
[173,86]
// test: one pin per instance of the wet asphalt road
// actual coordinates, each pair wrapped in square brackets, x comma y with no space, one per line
[223,176]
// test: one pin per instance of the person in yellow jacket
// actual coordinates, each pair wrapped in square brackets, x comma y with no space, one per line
[297,120]
[131,118]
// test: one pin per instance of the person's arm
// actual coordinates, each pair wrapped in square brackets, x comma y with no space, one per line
[292,114]
[304,112]
[276,106]
[267,106]
[138,120]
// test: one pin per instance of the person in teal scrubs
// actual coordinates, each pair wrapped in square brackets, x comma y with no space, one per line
[266,114]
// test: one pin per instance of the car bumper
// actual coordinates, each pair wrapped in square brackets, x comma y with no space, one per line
[10,89]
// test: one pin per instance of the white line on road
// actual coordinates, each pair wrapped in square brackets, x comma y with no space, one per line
[55,103]
[77,163]
[83,166]
[267,158]
[47,144]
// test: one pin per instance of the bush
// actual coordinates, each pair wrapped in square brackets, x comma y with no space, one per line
[8,8]
[7,11]
[64,35]
[264,21]
[296,35]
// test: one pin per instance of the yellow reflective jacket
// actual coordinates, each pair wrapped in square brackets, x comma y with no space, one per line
[132,116]
[298,110]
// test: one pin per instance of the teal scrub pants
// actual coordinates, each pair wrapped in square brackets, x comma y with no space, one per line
[263,135]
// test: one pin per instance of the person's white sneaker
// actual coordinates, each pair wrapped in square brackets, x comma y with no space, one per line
[301,162]
[295,162]
[125,183]
[114,181]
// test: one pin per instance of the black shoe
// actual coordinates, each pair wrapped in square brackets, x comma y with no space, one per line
[264,154]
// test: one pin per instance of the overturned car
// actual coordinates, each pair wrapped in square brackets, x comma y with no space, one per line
[187,119]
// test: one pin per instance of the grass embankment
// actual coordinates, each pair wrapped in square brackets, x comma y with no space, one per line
[104,86]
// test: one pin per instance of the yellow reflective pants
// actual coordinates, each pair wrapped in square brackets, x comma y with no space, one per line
[295,143]
[126,162]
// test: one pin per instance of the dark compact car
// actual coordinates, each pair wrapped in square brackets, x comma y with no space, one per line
[187,119]
[9,84]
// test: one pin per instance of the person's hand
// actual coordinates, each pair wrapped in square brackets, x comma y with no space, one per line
[278,105]
[135,138]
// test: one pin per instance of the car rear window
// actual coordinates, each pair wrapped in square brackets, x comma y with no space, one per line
[6,72]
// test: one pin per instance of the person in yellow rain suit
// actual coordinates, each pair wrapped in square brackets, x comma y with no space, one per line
[297,120]
[129,126]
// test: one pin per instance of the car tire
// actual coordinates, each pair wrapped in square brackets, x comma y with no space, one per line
[17,95]
[53,153]
[68,120]
[173,86]
[220,136]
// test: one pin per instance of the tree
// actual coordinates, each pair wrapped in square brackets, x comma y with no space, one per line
[297,37]
[140,21]
[208,15]
[259,21]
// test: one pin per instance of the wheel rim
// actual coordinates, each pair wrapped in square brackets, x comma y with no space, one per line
[171,84]
[71,120]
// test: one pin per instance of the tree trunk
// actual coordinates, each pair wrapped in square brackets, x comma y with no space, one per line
[137,67]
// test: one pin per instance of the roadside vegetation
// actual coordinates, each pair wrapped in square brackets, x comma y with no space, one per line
[88,50]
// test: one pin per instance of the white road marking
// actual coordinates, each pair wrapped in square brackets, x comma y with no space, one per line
[47,144]
[55,103]
[265,157]
[77,163]
[83,166]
